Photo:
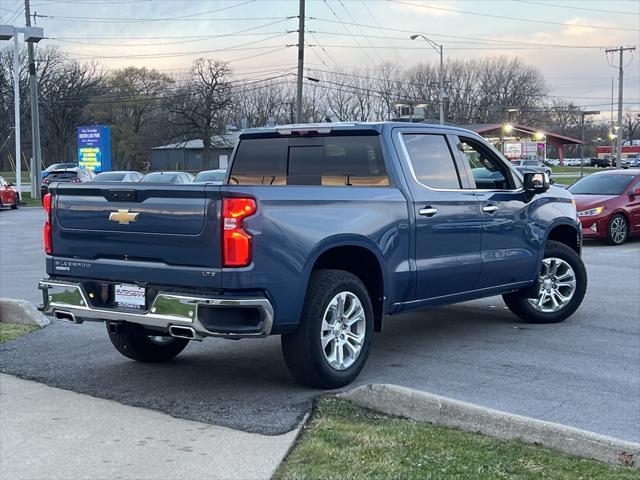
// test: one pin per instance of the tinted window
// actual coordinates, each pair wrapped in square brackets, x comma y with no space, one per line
[62,176]
[341,161]
[432,161]
[601,185]
[260,161]
[489,173]
[331,161]
[109,177]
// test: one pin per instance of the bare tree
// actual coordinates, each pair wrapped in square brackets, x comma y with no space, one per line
[201,110]
[631,125]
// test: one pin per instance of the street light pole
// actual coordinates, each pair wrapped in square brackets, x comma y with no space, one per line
[438,48]
[16,111]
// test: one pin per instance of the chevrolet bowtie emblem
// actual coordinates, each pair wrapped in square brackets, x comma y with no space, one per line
[123,217]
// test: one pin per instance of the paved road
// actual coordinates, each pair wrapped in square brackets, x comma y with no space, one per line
[584,372]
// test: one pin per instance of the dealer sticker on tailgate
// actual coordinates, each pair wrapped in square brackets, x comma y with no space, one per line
[130,296]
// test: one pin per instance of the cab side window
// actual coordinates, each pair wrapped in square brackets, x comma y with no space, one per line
[431,160]
[489,172]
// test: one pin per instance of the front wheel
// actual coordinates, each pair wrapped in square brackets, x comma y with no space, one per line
[16,204]
[147,348]
[561,286]
[331,345]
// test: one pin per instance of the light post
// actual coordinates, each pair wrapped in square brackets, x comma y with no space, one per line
[583,114]
[31,35]
[438,48]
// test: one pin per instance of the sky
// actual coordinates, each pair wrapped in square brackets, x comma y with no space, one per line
[564,39]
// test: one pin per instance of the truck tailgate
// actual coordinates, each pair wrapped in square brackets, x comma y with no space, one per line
[155,233]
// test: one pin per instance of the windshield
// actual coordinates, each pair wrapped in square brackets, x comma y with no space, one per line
[160,178]
[109,177]
[217,176]
[601,185]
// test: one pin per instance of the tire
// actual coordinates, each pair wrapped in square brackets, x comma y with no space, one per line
[143,348]
[16,204]
[303,352]
[617,230]
[529,309]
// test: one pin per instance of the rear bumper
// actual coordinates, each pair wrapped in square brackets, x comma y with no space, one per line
[213,316]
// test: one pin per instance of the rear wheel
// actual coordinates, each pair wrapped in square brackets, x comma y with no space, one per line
[147,348]
[16,204]
[331,345]
[562,283]
[617,230]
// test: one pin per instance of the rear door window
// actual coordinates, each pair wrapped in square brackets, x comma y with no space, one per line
[431,160]
[352,161]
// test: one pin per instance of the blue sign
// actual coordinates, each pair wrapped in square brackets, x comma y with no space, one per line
[94,148]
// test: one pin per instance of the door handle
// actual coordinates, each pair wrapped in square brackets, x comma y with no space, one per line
[490,209]
[428,212]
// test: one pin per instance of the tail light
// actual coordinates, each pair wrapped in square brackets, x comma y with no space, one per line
[236,242]
[46,230]
[76,180]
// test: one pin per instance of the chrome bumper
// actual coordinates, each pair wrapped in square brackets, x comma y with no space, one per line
[70,301]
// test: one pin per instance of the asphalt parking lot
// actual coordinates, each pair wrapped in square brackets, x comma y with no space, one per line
[584,372]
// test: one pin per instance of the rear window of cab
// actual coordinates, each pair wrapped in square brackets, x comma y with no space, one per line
[346,161]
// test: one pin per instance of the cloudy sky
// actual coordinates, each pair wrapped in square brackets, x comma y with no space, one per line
[565,39]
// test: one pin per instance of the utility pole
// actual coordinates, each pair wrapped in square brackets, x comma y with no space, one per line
[300,62]
[36,153]
[620,51]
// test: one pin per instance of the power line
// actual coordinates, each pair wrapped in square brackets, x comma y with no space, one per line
[375,20]
[235,48]
[239,33]
[146,20]
[348,31]
[430,34]
[572,7]
[360,29]
[504,17]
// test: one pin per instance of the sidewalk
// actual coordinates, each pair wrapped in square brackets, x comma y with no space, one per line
[51,433]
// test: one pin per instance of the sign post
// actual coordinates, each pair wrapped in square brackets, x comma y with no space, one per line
[94,148]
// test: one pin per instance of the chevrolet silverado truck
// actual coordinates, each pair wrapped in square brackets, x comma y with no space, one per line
[318,234]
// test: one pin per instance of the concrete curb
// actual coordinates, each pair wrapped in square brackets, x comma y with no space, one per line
[448,412]
[21,311]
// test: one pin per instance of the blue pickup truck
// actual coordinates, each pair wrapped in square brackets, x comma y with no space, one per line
[318,233]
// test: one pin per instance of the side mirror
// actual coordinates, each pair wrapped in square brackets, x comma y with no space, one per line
[635,193]
[536,182]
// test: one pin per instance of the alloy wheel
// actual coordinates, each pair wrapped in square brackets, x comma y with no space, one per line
[557,284]
[618,230]
[343,330]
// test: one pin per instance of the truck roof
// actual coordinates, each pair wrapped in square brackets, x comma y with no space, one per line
[345,126]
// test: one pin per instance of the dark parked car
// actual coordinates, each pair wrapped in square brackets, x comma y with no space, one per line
[320,233]
[58,166]
[118,176]
[217,177]
[9,196]
[168,177]
[608,205]
[67,175]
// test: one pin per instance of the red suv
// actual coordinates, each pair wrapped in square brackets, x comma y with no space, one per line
[608,205]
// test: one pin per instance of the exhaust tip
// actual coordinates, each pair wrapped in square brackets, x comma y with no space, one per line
[183,332]
[66,316]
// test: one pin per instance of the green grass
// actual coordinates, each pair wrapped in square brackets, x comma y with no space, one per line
[575,170]
[30,202]
[343,441]
[10,176]
[565,180]
[11,331]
